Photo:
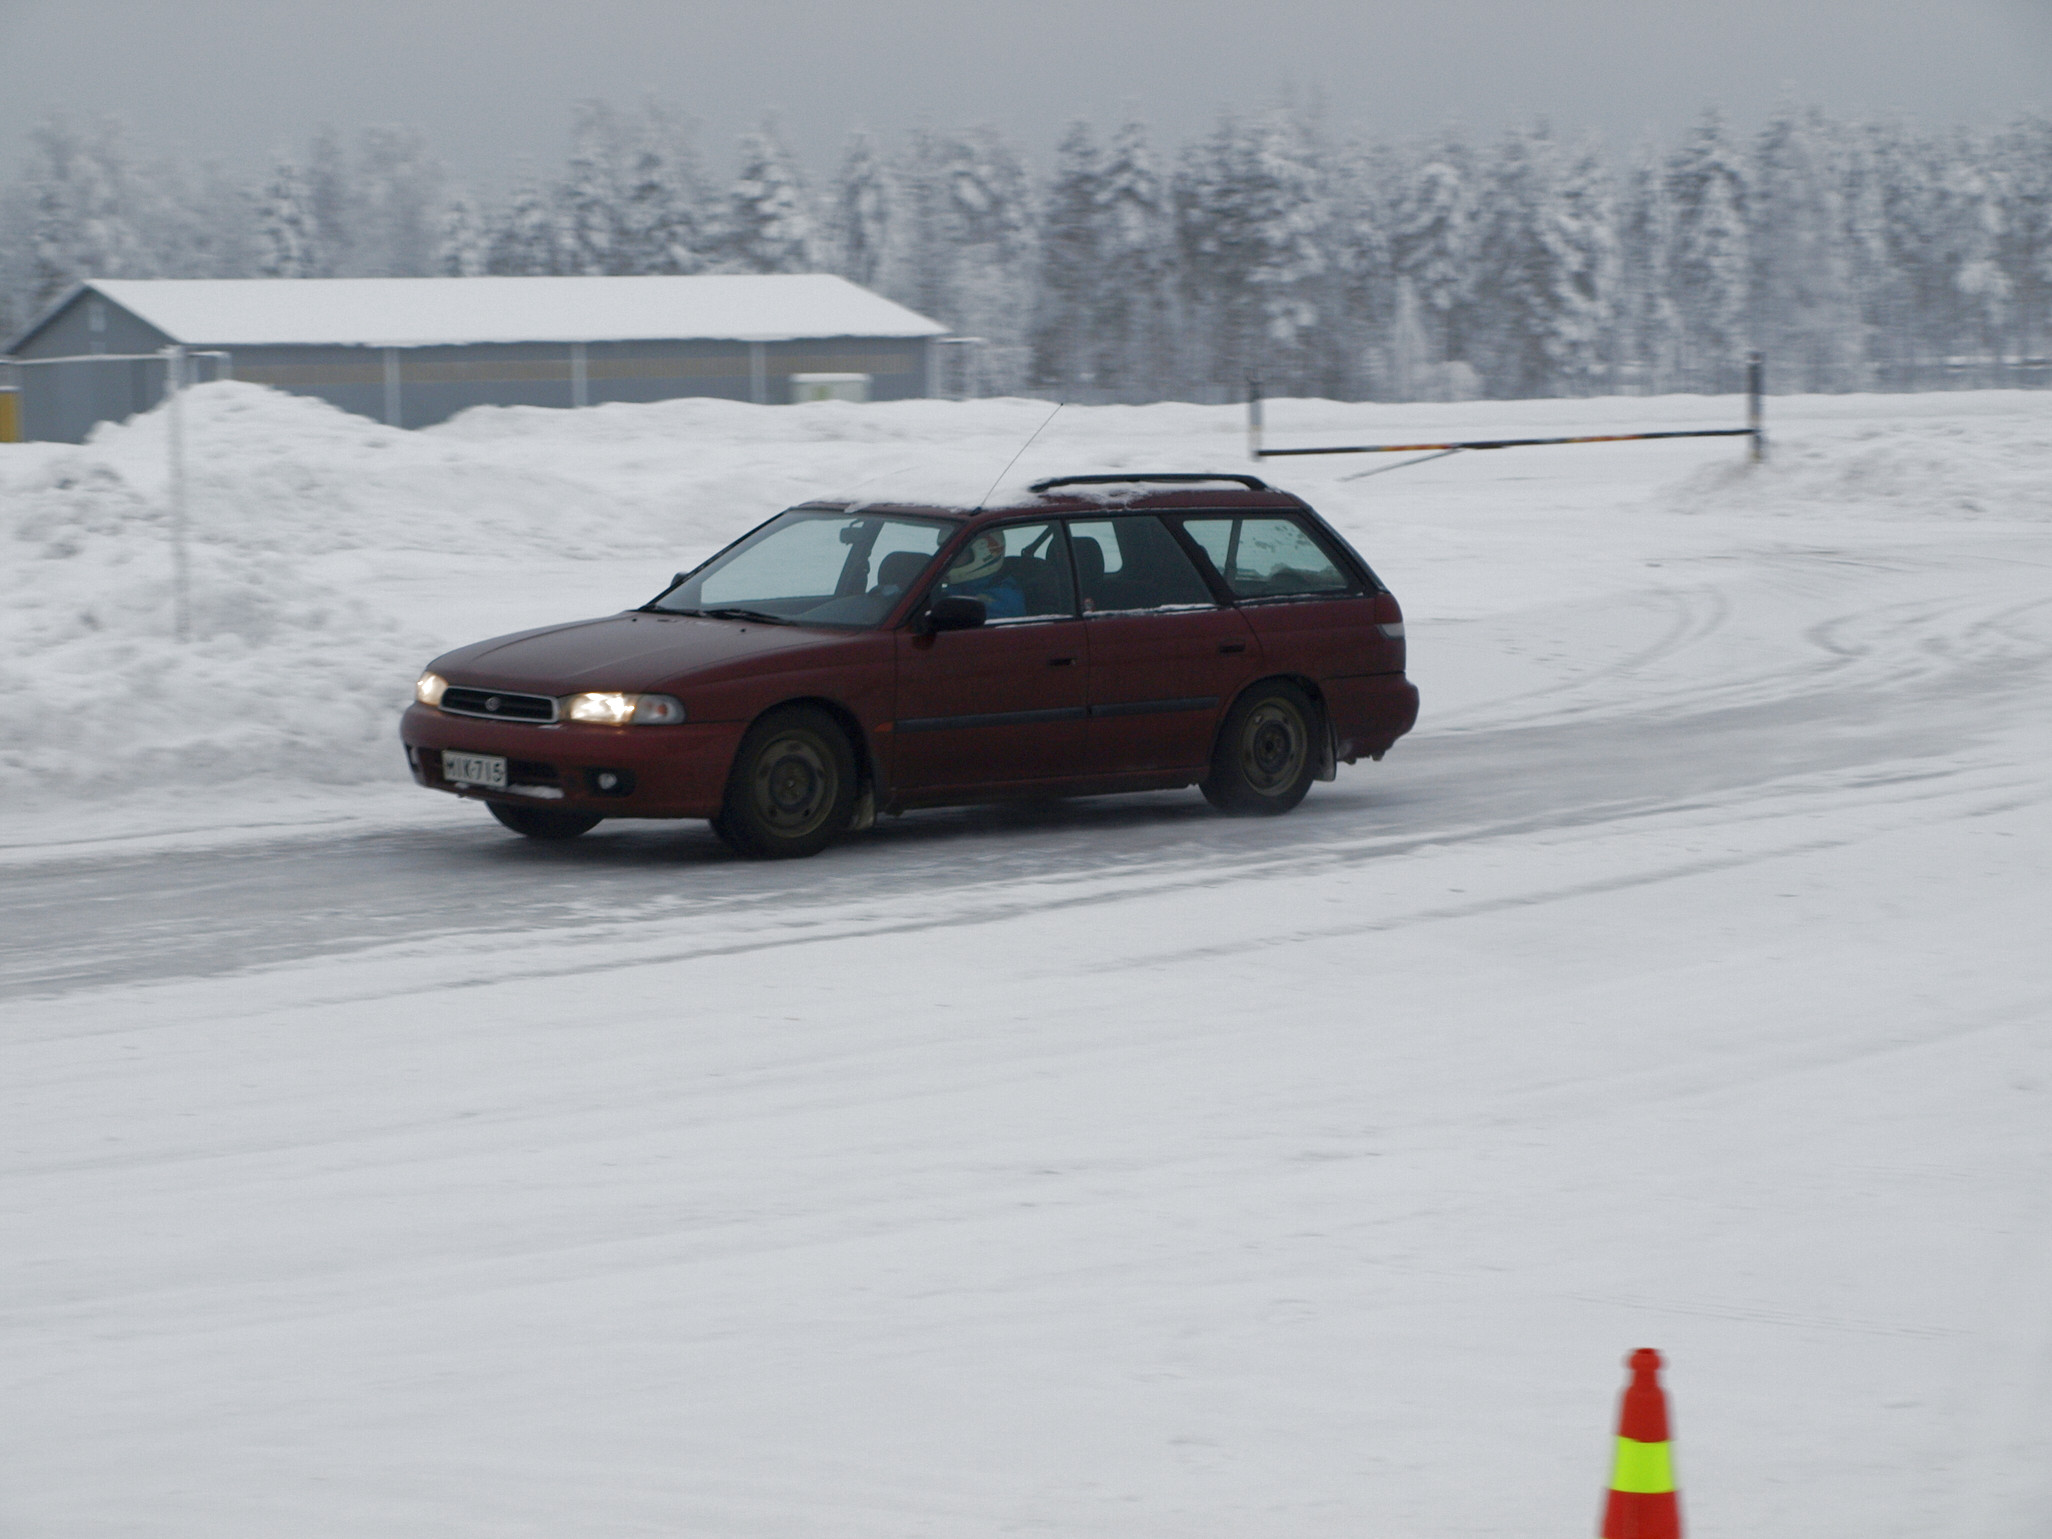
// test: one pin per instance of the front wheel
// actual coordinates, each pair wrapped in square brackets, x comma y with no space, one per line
[1264,761]
[792,788]
[544,822]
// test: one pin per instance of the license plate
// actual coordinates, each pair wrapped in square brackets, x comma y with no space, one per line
[474,769]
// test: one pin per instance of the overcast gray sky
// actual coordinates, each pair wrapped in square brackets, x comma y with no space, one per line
[488,82]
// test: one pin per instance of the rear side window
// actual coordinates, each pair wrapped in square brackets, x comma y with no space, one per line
[1267,557]
[1133,563]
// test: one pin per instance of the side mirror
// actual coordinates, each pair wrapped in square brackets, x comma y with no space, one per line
[954,613]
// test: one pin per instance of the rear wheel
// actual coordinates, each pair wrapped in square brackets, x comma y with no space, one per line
[792,789]
[544,822]
[1265,760]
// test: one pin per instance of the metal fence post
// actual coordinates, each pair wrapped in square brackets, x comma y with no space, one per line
[1756,373]
[1254,419]
[174,428]
[392,387]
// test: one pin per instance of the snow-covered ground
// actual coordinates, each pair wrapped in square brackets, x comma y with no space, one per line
[1110,1169]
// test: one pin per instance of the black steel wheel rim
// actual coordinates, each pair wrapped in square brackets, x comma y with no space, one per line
[1273,746]
[795,784]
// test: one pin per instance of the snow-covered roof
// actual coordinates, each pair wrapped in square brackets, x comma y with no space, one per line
[418,312]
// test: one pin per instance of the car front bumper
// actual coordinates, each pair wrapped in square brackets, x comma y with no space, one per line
[658,772]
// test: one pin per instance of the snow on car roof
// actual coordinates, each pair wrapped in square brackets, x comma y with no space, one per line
[416,312]
[961,493]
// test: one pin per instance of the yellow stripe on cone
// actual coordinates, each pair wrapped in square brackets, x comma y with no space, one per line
[1646,1468]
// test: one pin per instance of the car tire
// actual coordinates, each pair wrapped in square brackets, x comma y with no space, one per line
[544,822]
[1267,752]
[792,789]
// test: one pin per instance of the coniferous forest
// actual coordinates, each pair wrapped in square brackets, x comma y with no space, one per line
[1857,256]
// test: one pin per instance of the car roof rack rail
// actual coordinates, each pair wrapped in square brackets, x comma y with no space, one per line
[1166,477]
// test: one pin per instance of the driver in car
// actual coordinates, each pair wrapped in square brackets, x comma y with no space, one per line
[979,573]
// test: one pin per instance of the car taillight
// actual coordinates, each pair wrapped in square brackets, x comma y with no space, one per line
[1389,618]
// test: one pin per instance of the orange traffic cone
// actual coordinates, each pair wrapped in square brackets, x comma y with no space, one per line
[1642,1502]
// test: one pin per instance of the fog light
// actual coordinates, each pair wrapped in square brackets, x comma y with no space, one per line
[609,782]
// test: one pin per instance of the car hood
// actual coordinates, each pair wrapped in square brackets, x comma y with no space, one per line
[633,651]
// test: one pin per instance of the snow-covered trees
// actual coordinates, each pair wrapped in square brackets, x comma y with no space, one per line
[769,214]
[2021,162]
[461,251]
[331,189]
[1105,313]
[524,244]
[964,249]
[1586,308]
[1855,255]
[1432,240]
[1360,352]
[1972,217]
[1710,262]
[1545,255]
[591,201]
[860,219]
[1645,343]
[398,205]
[1287,215]
[287,242]
[89,213]
[666,223]
[1072,282]
[1251,217]
[1137,325]
[1805,309]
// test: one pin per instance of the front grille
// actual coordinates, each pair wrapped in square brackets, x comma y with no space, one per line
[497,704]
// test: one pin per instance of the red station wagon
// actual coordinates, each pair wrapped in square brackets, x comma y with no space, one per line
[1113,633]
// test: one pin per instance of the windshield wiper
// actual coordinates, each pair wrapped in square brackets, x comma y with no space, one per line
[732,612]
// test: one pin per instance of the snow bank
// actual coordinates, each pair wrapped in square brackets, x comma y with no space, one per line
[332,556]
[1985,460]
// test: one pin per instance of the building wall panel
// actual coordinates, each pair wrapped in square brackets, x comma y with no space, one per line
[69,331]
[63,402]
[435,383]
[896,366]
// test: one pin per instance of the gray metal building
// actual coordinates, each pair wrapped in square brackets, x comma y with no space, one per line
[412,351]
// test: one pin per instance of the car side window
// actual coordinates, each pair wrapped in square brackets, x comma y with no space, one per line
[1267,557]
[1133,562]
[1017,571]
[900,554]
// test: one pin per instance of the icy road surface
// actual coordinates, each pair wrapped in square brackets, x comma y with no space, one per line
[1107,1168]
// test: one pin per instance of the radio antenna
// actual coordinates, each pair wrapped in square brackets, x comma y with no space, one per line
[1022,450]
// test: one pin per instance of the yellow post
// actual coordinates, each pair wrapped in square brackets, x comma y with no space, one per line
[10,415]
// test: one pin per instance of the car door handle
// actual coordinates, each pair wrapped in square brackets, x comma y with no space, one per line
[1060,662]
[1232,646]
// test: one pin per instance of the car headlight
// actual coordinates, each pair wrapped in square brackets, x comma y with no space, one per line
[429,687]
[612,709]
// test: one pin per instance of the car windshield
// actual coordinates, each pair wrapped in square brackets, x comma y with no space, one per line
[812,568]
